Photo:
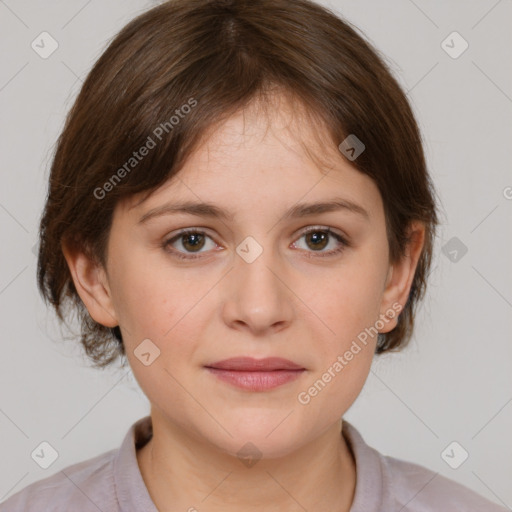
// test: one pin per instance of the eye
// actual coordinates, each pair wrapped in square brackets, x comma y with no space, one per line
[194,240]
[318,237]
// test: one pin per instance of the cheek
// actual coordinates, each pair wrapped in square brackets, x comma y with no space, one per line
[166,316]
[172,317]
[351,299]
[333,389]
[143,306]
[150,297]
[350,306]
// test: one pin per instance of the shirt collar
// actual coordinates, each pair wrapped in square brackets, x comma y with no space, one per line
[369,492]
[131,489]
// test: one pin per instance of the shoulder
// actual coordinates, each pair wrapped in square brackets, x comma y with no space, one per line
[386,483]
[85,486]
[423,490]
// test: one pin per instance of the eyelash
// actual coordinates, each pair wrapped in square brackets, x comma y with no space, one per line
[344,243]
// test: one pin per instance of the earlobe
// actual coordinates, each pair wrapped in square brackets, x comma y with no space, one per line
[400,276]
[91,283]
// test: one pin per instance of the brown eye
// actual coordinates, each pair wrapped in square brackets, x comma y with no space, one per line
[191,241]
[317,239]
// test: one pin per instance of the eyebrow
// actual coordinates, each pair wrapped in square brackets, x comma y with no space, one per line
[213,211]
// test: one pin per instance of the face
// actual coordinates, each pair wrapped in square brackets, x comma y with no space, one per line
[256,283]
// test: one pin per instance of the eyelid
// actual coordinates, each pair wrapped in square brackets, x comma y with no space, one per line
[320,227]
[301,232]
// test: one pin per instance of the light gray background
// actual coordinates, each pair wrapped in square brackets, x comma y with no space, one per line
[454,382]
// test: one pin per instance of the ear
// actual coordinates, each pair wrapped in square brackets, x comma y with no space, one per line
[400,277]
[91,283]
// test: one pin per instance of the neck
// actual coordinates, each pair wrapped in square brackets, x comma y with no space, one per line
[186,472]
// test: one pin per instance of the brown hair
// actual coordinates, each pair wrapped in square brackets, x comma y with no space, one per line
[181,68]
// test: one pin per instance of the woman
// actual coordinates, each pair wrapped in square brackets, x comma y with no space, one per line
[239,205]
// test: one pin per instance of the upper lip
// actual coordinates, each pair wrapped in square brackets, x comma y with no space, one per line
[249,364]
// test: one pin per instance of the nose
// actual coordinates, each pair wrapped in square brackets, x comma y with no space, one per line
[258,298]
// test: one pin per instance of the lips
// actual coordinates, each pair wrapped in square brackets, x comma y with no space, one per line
[249,364]
[256,375]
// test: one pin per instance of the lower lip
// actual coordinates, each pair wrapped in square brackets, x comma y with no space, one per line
[256,381]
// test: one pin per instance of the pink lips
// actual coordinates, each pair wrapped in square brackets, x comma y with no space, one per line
[256,374]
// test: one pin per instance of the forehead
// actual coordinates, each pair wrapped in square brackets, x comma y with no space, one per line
[265,158]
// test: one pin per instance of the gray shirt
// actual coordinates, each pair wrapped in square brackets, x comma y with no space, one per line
[112,482]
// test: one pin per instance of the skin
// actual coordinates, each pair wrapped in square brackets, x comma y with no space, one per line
[284,303]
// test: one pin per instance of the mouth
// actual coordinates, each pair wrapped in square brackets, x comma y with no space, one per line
[256,374]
